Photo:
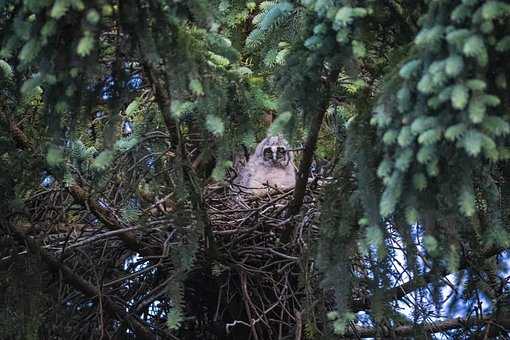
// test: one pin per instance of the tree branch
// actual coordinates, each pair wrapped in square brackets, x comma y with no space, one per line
[157,75]
[86,288]
[17,134]
[110,221]
[402,290]
[433,327]
[309,148]
[308,153]
[83,197]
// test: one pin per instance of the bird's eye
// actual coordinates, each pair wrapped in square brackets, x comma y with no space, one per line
[268,154]
[280,153]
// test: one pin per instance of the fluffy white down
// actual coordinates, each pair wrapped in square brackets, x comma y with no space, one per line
[258,173]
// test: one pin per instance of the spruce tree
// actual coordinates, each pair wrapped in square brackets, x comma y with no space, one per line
[123,125]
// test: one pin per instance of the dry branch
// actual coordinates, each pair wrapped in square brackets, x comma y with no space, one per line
[110,221]
[83,198]
[17,134]
[86,288]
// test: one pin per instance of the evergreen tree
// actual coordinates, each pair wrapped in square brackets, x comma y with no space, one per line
[121,128]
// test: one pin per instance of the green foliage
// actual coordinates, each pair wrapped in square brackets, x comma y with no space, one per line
[280,123]
[132,108]
[447,101]
[79,151]
[196,87]
[459,96]
[93,16]
[131,213]
[215,125]
[6,69]
[272,14]
[220,169]
[103,161]
[125,144]
[415,131]
[431,245]
[454,65]
[54,157]
[85,45]
[179,108]
[340,321]
[174,319]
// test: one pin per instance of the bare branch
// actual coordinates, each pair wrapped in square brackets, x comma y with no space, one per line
[433,327]
[110,221]
[86,288]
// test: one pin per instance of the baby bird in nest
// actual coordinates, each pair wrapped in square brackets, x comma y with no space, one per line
[270,166]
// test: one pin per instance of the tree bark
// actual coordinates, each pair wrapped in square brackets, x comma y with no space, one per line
[308,154]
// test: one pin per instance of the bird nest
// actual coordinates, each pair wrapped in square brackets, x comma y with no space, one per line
[274,279]
[258,285]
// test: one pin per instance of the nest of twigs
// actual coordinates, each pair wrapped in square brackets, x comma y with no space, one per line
[259,286]
[273,281]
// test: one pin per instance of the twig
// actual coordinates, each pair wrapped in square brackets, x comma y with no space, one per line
[87,289]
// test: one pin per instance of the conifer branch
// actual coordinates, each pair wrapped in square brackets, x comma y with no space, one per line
[17,134]
[158,78]
[404,20]
[137,26]
[309,148]
[83,198]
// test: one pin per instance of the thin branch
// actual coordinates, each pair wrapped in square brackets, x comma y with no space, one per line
[110,220]
[433,327]
[17,134]
[85,287]
[402,290]
[83,197]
